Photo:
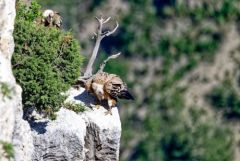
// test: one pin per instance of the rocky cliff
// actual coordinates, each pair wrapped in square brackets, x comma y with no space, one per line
[87,136]
[71,137]
[14,131]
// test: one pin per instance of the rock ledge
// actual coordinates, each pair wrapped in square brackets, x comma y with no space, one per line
[87,136]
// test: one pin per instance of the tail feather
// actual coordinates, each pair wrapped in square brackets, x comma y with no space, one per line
[125,95]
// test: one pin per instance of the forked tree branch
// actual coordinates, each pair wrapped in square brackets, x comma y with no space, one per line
[99,36]
[82,80]
[105,61]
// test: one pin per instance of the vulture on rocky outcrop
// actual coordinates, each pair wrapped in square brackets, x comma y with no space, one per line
[108,87]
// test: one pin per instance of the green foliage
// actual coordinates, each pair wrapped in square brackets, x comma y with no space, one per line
[116,66]
[96,3]
[225,97]
[183,140]
[8,149]
[6,90]
[170,133]
[46,60]
[28,13]
[74,107]
[225,10]
[169,137]
[137,34]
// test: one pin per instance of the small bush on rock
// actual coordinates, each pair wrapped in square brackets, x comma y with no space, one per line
[8,151]
[46,60]
[74,107]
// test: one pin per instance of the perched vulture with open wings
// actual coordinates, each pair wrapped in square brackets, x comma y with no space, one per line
[108,87]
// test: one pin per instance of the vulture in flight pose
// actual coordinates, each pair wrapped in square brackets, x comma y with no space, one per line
[108,87]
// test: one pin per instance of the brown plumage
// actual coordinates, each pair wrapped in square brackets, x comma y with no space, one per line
[52,19]
[108,87]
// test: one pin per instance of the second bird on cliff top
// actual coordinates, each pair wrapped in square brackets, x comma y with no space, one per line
[51,18]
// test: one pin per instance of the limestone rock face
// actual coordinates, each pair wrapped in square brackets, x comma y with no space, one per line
[22,138]
[62,139]
[13,129]
[86,136]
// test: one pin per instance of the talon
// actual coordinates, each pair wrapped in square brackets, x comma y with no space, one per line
[97,106]
[91,105]
[108,112]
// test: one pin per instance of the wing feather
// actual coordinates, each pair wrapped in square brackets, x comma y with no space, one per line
[114,86]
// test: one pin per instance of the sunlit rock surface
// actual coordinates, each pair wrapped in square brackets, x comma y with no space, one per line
[87,136]
[13,129]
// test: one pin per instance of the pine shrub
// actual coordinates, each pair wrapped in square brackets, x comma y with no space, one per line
[46,60]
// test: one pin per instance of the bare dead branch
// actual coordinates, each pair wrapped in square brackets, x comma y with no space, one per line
[108,33]
[88,72]
[99,36]
[81,82]
[105,21]
[99,19]
[105,61]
